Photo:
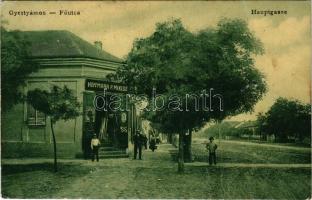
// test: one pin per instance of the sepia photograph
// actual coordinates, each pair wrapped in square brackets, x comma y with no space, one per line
[156,99]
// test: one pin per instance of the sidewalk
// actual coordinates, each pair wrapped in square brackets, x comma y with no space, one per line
[278,146]
[158,159]
[247,165]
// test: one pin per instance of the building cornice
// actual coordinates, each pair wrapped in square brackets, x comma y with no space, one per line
[54,62]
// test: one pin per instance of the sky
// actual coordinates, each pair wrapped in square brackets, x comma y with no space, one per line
[286,38]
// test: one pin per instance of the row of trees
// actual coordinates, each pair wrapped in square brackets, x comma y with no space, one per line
[286,119]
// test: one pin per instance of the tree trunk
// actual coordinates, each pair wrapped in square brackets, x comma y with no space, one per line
[54,146]
[188,147]
[169,135]
[264,136]
[181,153]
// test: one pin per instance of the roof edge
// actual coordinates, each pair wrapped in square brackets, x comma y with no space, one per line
[73,57]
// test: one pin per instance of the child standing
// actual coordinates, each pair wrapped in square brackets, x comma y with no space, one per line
[212,147]
[95,144]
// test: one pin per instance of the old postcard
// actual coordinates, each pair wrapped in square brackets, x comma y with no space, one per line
[156,99]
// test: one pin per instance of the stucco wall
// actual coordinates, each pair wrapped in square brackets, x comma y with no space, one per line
[20,139]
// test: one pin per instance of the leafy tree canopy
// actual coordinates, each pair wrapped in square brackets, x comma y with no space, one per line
[288,118]
[176,62]
[14,67]
[58,104]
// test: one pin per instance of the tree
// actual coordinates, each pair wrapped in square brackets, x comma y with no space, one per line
[176,62]
[14,67]
[288,118]
[261,123]
[58,104]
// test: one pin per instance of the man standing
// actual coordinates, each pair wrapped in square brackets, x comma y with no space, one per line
[212,147]
[95,144]
[138,140]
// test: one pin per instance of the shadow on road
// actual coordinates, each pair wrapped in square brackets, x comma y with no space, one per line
[21,168]
[63,168]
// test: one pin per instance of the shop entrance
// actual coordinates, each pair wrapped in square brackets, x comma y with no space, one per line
[111,126]
[107,127]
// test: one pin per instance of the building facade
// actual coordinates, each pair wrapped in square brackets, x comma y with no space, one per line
[66,59]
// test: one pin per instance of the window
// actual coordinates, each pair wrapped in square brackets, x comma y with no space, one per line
[34,117]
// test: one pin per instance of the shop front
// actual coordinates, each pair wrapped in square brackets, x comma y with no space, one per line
[64,59]
[107,113]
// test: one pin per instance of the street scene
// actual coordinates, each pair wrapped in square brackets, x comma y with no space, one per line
[156,100]
[155,176]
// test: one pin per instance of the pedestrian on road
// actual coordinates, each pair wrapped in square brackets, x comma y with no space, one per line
[138,140]
[212,147]
[152,143]
[144,138]
[95,145]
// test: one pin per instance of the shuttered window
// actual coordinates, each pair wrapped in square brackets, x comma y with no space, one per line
[34,117]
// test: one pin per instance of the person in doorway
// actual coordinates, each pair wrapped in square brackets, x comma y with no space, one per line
[138,140]
[212,147]
[95,145]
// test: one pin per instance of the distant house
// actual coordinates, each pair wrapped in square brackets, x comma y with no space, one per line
[251,125]
[66,59]
[250,128]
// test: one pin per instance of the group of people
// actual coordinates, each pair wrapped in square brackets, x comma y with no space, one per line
[140,140]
